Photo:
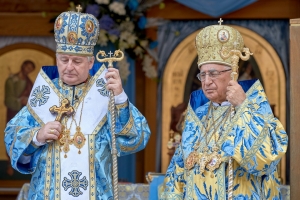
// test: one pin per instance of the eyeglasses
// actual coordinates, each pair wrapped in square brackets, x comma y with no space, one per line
[212,74]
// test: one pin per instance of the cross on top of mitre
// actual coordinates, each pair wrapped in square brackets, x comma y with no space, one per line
[220,21]
[64,109]
[78,8]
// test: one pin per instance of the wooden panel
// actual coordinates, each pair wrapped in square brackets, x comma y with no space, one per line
[140,105]
[295,107]
[27,24]
[262,9]
[150,104]
[34,5]
[150,114]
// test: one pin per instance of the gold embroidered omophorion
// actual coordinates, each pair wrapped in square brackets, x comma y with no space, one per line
[204,159]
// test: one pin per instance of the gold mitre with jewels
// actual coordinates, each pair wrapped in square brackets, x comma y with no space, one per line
[220,44]
[76,33]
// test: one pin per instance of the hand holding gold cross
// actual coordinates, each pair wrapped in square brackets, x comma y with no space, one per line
[64,109]
[117,56]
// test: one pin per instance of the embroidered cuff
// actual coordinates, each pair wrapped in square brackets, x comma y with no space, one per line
[32,147]
[132,147]
[128,126]
[122,105]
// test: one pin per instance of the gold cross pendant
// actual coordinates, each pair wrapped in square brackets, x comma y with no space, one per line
[66,141]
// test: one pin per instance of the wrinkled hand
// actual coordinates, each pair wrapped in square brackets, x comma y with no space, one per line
[235,93]
[49,131]
[114,82]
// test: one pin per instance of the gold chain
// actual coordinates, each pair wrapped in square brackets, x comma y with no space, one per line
[205,128]
[213,124]
[78,139]
[221,122]
[80,115]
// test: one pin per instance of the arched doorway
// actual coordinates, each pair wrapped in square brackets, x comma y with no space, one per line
[11,59]
[181,60]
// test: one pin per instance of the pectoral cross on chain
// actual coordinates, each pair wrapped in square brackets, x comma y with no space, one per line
[66,141]
[64,109]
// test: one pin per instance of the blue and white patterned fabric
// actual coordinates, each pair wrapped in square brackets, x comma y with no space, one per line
[76,33]
[85,175]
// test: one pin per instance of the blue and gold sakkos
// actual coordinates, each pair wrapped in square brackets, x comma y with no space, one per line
[253,138]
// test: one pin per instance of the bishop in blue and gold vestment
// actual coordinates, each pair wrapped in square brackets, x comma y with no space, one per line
[231,143]
[69,154]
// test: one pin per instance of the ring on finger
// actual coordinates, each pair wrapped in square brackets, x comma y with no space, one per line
[52,131]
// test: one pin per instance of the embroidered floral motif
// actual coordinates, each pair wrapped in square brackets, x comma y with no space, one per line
[75,183]
[73,22]
[40,96]
[103,91]
[84,32]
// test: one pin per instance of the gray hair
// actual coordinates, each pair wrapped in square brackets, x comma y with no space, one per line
[90,58]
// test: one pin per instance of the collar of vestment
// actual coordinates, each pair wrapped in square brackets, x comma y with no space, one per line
[47,92]
[224,103]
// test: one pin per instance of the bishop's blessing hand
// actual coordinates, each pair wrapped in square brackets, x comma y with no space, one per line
[114,81]
[50,131]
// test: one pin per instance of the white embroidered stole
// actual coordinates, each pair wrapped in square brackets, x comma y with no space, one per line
[76,168]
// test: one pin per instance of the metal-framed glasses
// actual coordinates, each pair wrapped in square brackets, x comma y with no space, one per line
[213,74]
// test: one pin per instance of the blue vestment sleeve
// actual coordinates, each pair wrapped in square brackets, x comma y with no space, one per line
[132,130]
[258,139]
[18,141]
[174,180]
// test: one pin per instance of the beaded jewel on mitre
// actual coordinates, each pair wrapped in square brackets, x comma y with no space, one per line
[210,40]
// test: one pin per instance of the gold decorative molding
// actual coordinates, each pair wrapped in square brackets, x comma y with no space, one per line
[180,62]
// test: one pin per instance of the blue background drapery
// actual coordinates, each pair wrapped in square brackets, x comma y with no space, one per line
[216,8]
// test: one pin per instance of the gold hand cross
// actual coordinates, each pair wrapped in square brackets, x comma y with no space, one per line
[118,55]
[64,109]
